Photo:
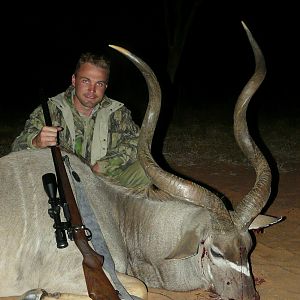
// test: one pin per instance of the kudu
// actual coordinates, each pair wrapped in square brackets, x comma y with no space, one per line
[173,234]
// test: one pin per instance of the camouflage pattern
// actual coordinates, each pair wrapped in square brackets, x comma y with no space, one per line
[121,141]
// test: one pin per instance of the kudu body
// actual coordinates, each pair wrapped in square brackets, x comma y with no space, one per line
[173,234]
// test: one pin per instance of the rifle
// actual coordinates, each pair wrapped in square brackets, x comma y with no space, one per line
[98,285]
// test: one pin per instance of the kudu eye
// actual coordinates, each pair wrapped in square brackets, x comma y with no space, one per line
[216,254]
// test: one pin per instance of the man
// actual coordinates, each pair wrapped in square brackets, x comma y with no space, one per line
[90,124]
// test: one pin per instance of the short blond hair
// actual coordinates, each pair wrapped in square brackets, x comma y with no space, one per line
[98,60]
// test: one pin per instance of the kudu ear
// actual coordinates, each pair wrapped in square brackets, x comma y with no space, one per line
[188,246]
[263,221]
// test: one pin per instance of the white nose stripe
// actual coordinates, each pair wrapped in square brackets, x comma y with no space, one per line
[242,269]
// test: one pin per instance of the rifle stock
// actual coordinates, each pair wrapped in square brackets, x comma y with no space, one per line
[98,285]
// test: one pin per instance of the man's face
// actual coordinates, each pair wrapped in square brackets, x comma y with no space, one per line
[90,84]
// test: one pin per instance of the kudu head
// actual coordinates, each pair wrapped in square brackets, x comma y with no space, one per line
[223,251]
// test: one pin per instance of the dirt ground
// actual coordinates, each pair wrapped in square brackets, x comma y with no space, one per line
[276,257]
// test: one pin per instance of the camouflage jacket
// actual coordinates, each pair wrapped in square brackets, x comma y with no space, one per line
[109,136]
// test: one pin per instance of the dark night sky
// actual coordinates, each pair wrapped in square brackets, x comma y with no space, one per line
[41,44]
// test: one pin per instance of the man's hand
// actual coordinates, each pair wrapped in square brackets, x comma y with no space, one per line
[47,137]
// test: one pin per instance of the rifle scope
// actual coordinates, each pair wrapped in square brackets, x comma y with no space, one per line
[50,187]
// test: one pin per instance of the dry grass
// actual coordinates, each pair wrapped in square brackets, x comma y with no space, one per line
[10,126]
[209,138]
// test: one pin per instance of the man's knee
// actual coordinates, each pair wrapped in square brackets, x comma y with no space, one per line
[133,176]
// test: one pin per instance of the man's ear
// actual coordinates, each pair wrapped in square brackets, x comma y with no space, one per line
[73,79]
